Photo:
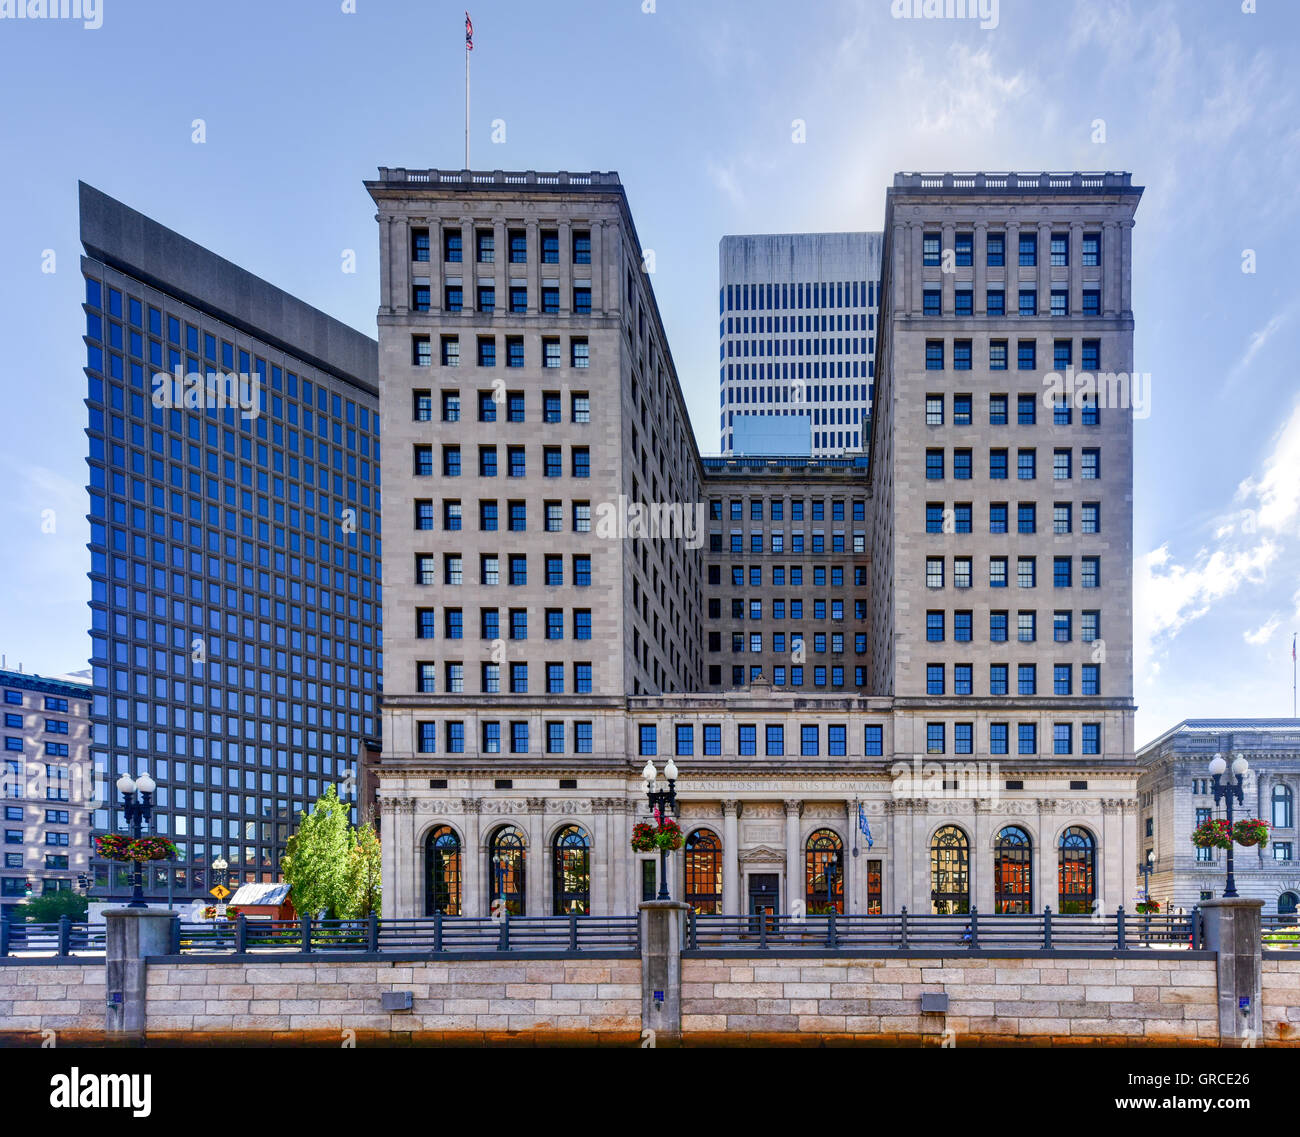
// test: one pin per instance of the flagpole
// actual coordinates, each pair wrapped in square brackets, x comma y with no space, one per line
[467,106]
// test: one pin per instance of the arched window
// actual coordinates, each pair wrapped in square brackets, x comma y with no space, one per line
[704,872]
[1282,807]
[950,872]
[1013,872]
[824,872]
[442,872]
[572,866]
[1078,872]
[506,869]
[1287,904]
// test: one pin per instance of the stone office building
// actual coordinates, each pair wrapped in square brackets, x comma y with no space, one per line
[825,648]
[1176,794]
[45,786]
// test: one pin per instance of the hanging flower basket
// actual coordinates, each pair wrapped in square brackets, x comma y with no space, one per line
[119,847]
[1212,833]
[1148,907]
[1251,831]
[649,837]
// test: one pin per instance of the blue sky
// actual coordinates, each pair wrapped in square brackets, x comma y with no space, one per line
[694,104]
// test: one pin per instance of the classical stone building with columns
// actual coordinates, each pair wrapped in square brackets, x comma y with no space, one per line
[899,682]
[1176,793]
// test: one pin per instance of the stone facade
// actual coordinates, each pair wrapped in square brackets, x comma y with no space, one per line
[535,660]
[64,997]
[1175,791]
[1060,1001]
[464,998]
[1281,997]
[45,787]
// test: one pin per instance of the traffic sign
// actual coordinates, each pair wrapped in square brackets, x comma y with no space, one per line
[220,892]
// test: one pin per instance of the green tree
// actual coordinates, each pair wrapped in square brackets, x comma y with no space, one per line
[317,858]
[49,906]
[364,889]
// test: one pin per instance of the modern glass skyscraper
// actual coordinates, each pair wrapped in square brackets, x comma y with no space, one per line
[234,545]
[797,342]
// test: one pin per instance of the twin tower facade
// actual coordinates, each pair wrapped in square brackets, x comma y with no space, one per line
[899,676]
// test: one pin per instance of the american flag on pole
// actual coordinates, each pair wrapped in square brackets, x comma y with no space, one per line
[469,33]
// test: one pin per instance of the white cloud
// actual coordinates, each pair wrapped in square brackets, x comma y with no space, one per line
[1276,491]
[967,94]
[1255,343]
[1263,633]
[1167,596]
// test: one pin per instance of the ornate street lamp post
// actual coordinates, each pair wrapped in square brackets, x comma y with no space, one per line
[661,801]
[1227,794]
[220,871]
[138,814]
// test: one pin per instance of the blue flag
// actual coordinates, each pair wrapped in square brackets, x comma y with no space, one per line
[862,824]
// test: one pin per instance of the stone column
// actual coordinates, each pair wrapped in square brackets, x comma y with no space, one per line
[435,268]
[407,896]
[1232,929]
[900,842]
[601,859]
[1011,257]
[1114,870]
[623,861]
[662,925]
[852,864]
[1125,268]
[598,268]
[474,900]
[388,851]
[1038,870]
[501,264]
[732,901]
[981,257]
[1044,268]
[131,936]
[1112,268]
[794,884]
[536,900]
[386,298]
[1076,268]
[534,268]
[912,267]
[566,268]
[399,250]
[947,281]
[981,860]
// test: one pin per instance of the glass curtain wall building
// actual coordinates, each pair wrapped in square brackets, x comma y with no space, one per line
[234,547]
